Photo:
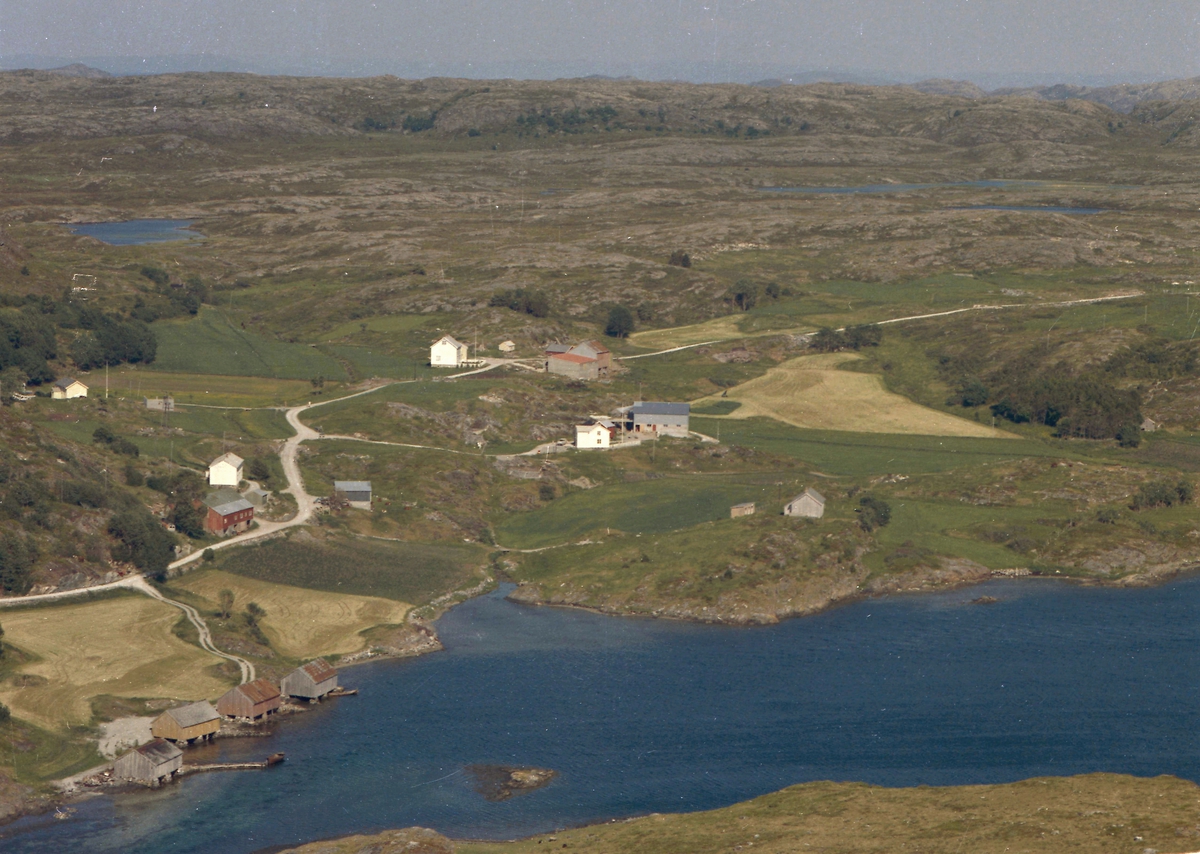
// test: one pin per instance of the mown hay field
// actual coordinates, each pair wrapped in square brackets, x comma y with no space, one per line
[300,623]
[122,646]
[717,329]
[812,392]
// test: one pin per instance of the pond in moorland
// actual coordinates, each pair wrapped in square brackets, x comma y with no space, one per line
[641,716]
[136,232]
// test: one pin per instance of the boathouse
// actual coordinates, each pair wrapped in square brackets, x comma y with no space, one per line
[188,723]
[311,681]
[151,764]
[252,701]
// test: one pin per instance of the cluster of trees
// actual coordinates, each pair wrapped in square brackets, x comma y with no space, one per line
[1163,494]
[828,340]
[113,341]
[183,489]
[745,293]
[1086,407]
[141,539]
[527,300]
[416,124]
[568,120]
[104,436]
[177,298]
[679,258]
[27,340]
[17,557]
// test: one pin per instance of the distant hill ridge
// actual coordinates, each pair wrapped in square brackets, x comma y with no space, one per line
[1123,98]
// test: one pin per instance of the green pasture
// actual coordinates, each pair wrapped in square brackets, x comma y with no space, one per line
[370,362]
[867,454]
[404,571]
[211,344]
[647,507]
[390,324]
[214,389]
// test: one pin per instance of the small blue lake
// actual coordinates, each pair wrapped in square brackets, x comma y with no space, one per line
[136,232]
[640,716]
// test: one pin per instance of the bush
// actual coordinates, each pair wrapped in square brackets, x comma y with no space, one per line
[416,124]
[547,492]
[1130,435]
[133,477]
[5,714]
[17,557]
[620,322]
[679,258]
[257,469]
[1163,494]
[141,540]
[529,301]
[188,519]
[873,513]
[209,556]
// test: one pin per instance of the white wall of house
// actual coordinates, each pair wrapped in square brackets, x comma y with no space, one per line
[224,473]
[592,436]
[75,389]
[447,353]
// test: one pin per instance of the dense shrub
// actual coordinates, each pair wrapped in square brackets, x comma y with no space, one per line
[527,300]
[827,340]
[679,258]
[620,322]
[1163,494]
[17,557]
[141,540]
[1078,407]
[873,513]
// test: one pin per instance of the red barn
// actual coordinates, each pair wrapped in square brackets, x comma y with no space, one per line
[227,514]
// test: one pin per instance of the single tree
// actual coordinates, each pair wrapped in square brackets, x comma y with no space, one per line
[225,604]
[1,641]
[620,322]
[873,513]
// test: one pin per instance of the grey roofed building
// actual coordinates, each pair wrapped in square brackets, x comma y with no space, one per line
[192,714]
[356,491]
[151,763]
[229,507]
[658,417]
[556,348]
[809,504]
[311,681]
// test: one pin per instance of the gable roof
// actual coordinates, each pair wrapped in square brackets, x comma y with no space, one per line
[573,358]
[228,457]
[660,408]
[451,340]
[192,714]
[593,345]
[811,493]
[227,508]
[258,691]
[159,751]
[67,382]
[352,486]
[318,670]
[556,348]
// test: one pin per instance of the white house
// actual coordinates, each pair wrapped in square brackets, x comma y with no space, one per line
[809,504]
[595,435]
[68,388]
[507,346]
[225,470]
[448,353]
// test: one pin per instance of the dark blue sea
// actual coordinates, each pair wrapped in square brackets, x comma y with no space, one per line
[641,715]
[135,232]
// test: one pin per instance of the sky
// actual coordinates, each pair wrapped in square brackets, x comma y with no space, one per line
[743,40]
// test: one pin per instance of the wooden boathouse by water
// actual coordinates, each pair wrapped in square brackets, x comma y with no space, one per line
[311,681]
[187,723]
[151,764]
[252,701]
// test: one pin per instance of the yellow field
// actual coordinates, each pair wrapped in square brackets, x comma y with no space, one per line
[210,389]
[811,392]
[717,329]
[122,647]
[301,623]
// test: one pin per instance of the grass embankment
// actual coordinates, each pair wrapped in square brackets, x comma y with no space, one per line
[811,392]
[125,647]
[1093,814]
[402,572]
[299,623]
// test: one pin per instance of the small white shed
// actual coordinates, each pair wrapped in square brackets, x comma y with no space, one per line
[67,389]
[446,352]
[809,504]
[225,470]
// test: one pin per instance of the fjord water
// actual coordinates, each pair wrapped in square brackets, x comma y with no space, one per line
[136,232]
[641,716]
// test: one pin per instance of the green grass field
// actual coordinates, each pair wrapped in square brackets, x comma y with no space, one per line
[406,572]
[649,507]
[210,344]
[862,454]
[215,389]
